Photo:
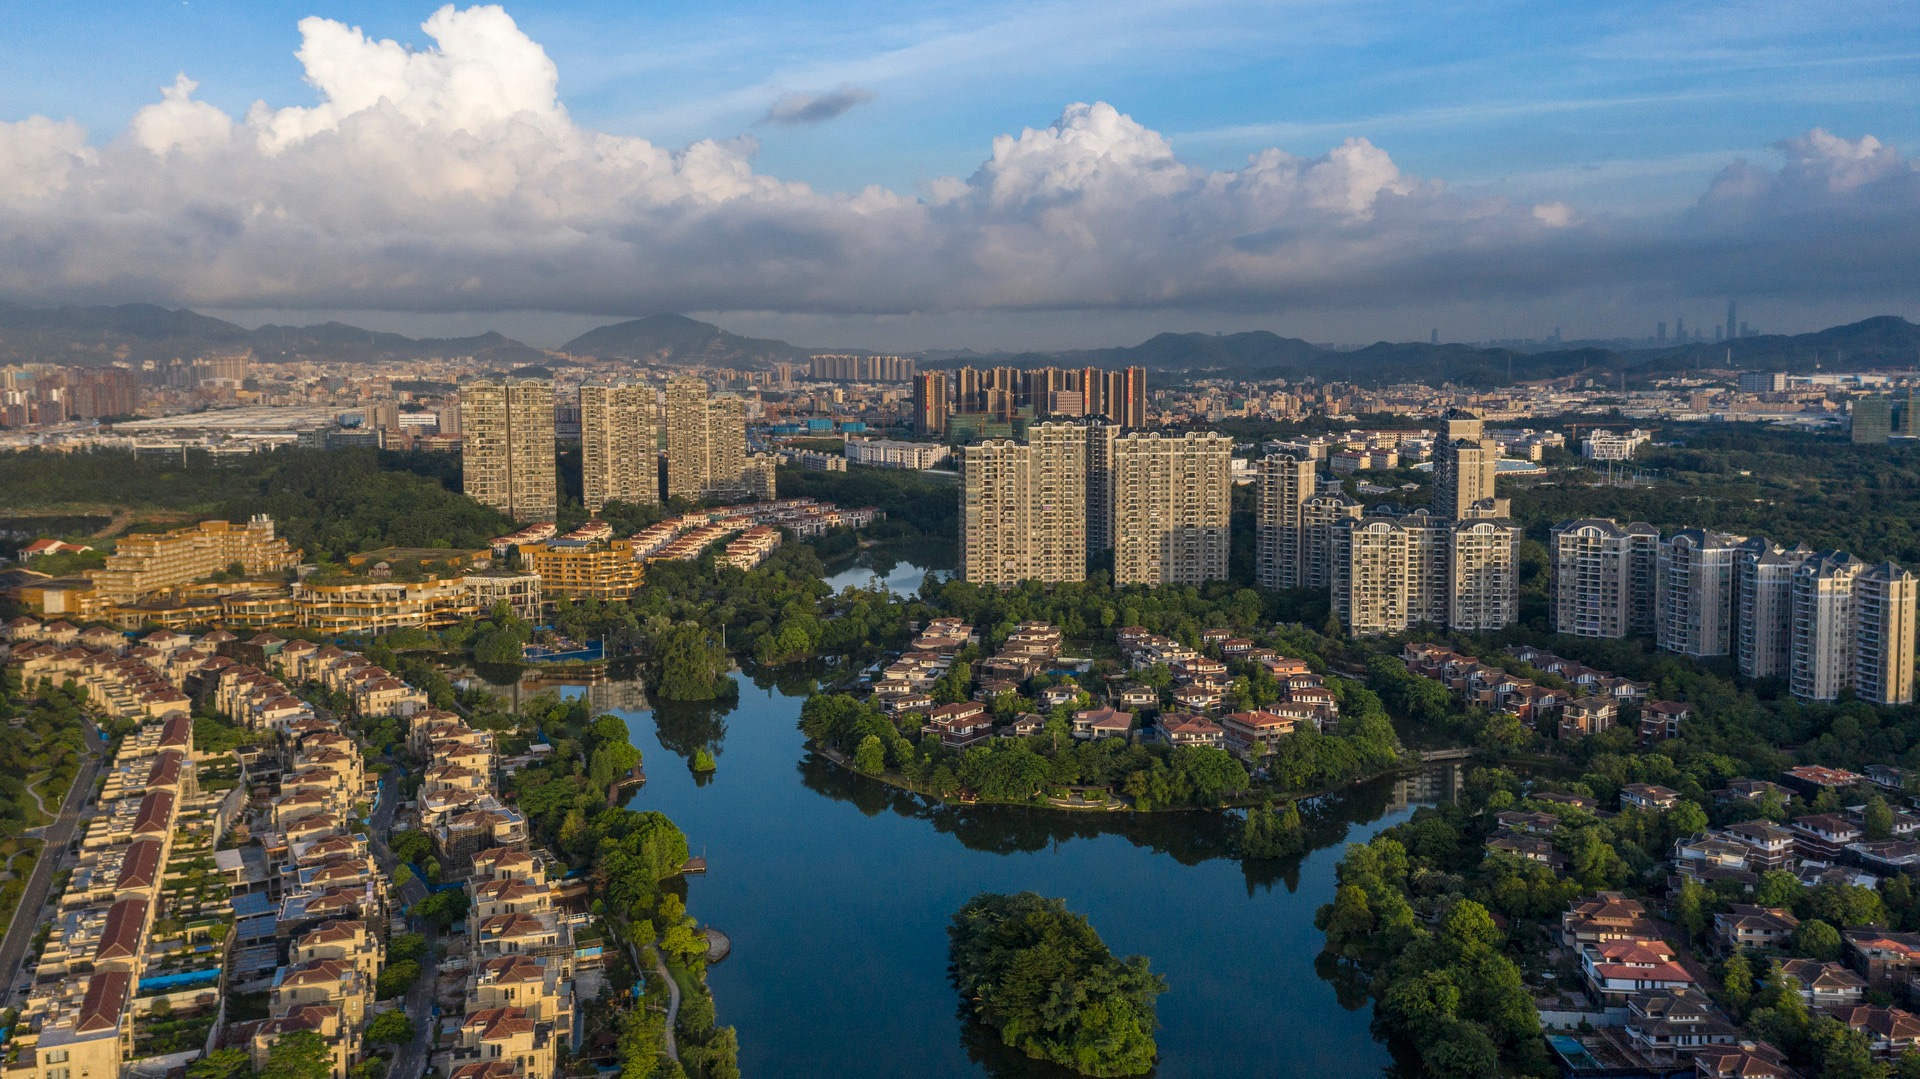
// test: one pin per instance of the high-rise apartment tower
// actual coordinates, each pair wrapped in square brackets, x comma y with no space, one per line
[619,443]
[506,431]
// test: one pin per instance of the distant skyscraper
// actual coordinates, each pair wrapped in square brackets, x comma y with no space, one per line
[930,403]
[1171,504]
[1872,419]
[619,444]
[1733,324]
[1435,339]
[507,446]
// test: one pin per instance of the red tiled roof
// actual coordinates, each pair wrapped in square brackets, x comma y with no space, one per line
[106,996]
[165,771]
[126,922]
[178,732]
[156,812]
[140,867]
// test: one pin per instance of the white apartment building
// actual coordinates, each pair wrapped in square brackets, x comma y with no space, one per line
[1765,603]
[1883,610]
[1483,580]
[1823,625]
[891,453]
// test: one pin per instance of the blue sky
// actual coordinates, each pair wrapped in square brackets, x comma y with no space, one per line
[1623,111]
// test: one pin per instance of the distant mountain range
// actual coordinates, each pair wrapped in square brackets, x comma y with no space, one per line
[97,335]
[84,336]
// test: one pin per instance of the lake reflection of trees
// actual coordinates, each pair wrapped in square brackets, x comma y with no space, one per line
[686,727]
[999,1061]
[1187,837]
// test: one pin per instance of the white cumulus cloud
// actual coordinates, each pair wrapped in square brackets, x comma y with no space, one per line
[452,178]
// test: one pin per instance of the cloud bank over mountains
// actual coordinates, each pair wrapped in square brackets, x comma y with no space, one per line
[453,179]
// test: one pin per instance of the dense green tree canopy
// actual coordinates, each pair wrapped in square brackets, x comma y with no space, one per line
[1040,975]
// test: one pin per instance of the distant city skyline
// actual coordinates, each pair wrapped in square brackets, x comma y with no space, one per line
[996,177]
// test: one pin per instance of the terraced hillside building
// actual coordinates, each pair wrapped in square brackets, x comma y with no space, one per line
[146,563]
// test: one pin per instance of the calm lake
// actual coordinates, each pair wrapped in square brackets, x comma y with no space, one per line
[902,578]
[836,891]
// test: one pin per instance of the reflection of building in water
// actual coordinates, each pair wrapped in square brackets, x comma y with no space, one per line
[627,695]
[1432,785]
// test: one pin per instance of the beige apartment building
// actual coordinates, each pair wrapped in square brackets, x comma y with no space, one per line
[1602,577]
[1694,589]
[1100,442]
[1883,610]
[1321,516]
[707,446]
[1763,587]
[1483,580]
[1284,484]
[1369,563]
[1172,498]
[619,443]
[143,564]
[1390,574]
[507,446]
[1464,466]
[1823,625]
[1023,507]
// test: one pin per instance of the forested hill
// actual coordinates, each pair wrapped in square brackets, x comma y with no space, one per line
[681,340]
